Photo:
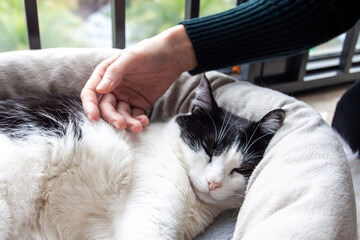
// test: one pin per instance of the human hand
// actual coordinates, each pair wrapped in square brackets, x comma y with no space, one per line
[124,86]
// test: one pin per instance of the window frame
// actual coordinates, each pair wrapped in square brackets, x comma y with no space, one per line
[289,74]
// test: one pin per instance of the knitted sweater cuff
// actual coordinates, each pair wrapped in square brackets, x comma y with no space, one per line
[263,29]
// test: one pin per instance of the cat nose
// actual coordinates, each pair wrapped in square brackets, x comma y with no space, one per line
[212,185]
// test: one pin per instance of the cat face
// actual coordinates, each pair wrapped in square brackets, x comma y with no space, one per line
[223,149]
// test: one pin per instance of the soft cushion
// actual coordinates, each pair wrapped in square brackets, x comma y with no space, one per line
[302,189]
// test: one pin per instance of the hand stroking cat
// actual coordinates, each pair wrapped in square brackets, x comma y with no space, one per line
[64,177]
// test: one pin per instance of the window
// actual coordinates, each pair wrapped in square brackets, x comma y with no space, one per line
[146,18]
[333,46]
[87,23]
[74,23]
[208,7]
[12,26]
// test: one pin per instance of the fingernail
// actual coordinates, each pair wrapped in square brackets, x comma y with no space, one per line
[143,120]
[115,124]
[104,84]
[90,111]
[89,117]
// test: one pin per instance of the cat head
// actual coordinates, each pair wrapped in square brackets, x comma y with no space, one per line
[222,149]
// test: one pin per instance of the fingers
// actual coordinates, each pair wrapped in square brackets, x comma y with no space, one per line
[89,96]
[90,104]
[107,106]
[139,114]
[105,78]
[133,124]
[120,114]
[125,63]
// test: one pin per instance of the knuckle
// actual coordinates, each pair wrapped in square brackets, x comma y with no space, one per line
[112,69]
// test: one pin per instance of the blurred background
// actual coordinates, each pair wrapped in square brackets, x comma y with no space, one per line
[87,23]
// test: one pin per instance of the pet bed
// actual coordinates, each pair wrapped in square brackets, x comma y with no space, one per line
[302,189]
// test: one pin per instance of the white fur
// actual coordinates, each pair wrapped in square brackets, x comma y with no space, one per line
[112,185]
[219,170]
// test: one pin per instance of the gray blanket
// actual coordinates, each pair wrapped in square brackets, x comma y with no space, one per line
[302,189]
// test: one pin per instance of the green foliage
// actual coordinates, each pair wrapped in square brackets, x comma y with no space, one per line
[147,18]
[12,26]
[209,7]
[60,26]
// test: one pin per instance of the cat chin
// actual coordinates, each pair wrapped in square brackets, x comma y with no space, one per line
[231,202]
[205,197]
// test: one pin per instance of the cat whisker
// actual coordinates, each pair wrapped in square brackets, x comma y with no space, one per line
[242,195]
[249,159]
[228,129]
[246,137]
[246,148]
[252,135]
[262,136]
[258,153]
[223,127]
[253,164]
[164,115]
[215,128]
[236,211]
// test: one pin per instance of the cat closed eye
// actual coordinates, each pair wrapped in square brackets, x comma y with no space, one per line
[241,170]
[208,150]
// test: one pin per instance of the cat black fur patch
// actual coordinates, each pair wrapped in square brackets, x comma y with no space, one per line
[22,116]
[215,133]
[215,130]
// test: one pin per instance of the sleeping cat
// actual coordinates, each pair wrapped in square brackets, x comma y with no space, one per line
[63,177]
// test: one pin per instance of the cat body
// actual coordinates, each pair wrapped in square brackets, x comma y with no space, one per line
[63,177]
[75,191]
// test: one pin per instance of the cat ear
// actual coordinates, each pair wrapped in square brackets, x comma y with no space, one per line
[271,122]
[204,99]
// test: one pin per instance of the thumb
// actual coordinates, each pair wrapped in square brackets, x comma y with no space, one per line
[115,72]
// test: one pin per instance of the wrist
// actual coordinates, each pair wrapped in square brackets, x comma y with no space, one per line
[181,47]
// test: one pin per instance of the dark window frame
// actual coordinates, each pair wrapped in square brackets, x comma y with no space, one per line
[288,74]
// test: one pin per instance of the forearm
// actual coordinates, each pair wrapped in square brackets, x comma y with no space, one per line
[263,29]
[180,47]
[178,39]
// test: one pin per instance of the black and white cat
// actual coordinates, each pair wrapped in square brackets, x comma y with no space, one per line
[63,177]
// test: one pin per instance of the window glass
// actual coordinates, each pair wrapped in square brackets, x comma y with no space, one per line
[13,34]
[208,7]
[87,23]
[74,23]
[335,45]
[146,18]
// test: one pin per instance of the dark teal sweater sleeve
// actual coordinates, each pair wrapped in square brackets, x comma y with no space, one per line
[263,29]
